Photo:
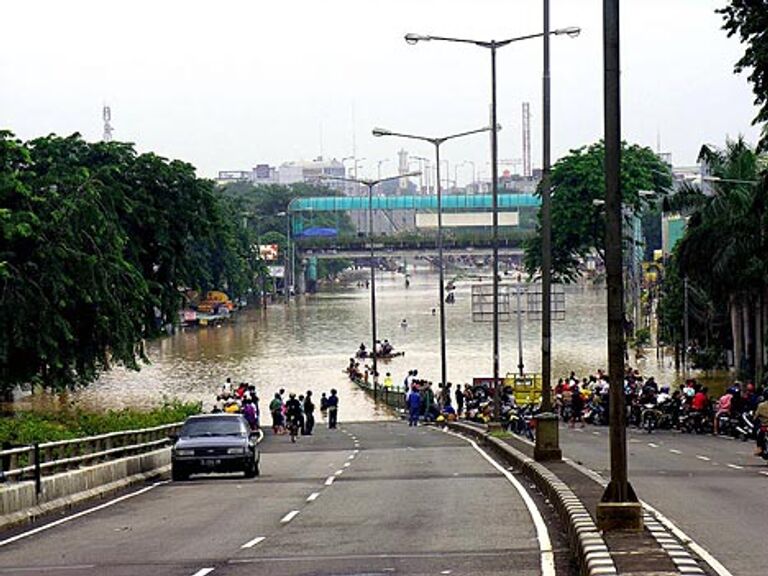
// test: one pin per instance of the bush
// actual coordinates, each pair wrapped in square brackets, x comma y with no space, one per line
[28,427]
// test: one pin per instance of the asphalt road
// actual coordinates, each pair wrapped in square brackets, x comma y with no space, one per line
[374,498]
[713,488]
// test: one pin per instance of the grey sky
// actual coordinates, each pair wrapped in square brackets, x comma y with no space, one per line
[227,85]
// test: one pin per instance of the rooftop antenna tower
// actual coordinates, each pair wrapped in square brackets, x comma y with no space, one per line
[106,114]
[527,140]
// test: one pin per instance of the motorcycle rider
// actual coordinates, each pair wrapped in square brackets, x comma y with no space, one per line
[761,419]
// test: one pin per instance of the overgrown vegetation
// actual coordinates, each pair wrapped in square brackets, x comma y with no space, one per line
[28,427]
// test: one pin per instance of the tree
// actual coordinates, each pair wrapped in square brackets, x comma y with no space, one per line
[724,254]
[96,245]
[578,222]
[749,20]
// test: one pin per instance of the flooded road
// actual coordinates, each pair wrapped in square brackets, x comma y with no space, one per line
[307,344]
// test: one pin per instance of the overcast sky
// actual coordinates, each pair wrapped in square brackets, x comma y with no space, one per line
[230,84]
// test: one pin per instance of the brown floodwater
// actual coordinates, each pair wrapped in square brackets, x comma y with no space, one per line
[307,344]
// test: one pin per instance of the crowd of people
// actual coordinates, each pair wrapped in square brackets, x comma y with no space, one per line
[285,411]
[741,411]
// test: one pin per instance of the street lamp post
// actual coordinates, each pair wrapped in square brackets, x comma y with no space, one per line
[287,256]
[619,507]
[436,142]
[493,46]
[370,184]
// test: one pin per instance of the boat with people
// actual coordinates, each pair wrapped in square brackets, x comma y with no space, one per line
[384,351]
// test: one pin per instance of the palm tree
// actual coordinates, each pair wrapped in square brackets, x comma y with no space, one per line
[724,251]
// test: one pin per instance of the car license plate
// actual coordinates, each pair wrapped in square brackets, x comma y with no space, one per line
[210,463]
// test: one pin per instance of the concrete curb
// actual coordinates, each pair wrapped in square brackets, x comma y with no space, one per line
[586,541]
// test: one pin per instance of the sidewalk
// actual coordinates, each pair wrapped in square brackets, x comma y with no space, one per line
[575,493]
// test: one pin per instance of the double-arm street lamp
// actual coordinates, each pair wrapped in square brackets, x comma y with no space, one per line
[436,142]
[370,184]
[493,46]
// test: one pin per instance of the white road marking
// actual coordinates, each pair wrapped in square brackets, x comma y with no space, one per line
[686,540]
[346,464]
[351,457]
[596,433]
[252,543]
[338,472]
[545,544]
[764,473]
[203,571]
[652,445]
[290,516]
[79,514]
[704,458]
[312,497]
[735,466]
[329,480]
[356,451]
[675,451]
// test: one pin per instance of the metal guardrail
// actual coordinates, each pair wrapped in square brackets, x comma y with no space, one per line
[394,396]
[51,457]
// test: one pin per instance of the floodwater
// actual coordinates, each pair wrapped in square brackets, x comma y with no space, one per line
[307,344]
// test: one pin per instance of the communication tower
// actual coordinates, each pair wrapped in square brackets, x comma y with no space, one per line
[402,157]
[106,114]
[527,140]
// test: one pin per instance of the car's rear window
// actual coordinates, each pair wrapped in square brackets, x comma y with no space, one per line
[213,427]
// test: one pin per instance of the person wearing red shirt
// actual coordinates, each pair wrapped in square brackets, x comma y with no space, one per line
[700,399]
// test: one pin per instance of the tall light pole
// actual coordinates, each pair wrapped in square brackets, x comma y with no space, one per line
[437,142]
[378,166]
[370,184]
[493,46]
[619,507]
[286,257]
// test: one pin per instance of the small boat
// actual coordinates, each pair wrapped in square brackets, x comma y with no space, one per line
[380,356]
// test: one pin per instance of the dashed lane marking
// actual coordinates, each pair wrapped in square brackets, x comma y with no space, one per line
[652,445]
[252,543]
[346,464]
[735,466]
[312,497]
[203,571]
[290,516]
[764,473]
[338,472]
[675,451]
[704,458]
[596,433]
[329,480]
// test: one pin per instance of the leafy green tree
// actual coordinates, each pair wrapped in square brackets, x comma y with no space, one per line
[97,244]
[578,221]
[748,19]
[724,254]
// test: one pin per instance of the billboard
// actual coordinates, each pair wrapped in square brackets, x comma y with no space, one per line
[268,252]
[466,219]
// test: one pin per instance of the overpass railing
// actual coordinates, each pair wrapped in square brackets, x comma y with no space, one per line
[37,460]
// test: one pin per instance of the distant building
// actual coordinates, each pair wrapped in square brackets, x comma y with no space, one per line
[312,172]
[232,176]
[288,173]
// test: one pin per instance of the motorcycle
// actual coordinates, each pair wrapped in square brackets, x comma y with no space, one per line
[745,426]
